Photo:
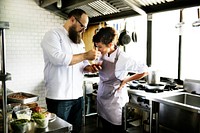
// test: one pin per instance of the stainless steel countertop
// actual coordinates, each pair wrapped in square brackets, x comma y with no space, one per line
[56,126]
[152,96]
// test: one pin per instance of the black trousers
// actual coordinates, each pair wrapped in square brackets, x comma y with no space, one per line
[111,128]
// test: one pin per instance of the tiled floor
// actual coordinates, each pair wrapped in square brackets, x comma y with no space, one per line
[91,125]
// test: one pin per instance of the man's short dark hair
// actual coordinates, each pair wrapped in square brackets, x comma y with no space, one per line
[76,13]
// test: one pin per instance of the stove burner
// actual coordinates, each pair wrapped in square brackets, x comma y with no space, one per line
[154,90]
[168,87]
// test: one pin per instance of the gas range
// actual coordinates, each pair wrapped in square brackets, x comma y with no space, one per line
[154,88]
[142,96]
[141,93]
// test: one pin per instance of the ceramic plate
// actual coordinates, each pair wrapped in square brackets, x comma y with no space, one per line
[52,117]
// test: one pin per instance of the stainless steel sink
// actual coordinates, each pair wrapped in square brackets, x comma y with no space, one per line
[180,112]
[183,100]
[186,99]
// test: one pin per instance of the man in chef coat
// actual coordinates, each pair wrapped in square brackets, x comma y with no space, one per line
[112,94]
[65,63]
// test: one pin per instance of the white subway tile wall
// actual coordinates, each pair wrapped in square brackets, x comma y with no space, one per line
[24,58]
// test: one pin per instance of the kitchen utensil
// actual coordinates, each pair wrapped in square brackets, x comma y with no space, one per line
[124,37]
[52,117]
[180,24]
[154,86]
[134,34]
[153,77]
[22,97]
[197,23]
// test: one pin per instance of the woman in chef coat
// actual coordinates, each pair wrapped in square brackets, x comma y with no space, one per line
[112,94]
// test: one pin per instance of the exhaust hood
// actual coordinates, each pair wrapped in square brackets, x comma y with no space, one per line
[104,10]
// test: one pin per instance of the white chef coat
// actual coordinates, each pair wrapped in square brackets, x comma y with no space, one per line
[109,101]
[62,82]
[125,64]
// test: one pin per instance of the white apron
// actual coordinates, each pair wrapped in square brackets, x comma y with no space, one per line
[109,100]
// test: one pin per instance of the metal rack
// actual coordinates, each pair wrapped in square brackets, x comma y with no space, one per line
[3,75]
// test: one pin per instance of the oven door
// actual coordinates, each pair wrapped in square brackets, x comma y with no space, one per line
[137,114]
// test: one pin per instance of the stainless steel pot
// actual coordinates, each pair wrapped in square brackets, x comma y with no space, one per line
[153,77]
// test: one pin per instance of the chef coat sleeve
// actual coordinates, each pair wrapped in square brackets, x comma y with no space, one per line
[127,64]
[52,48]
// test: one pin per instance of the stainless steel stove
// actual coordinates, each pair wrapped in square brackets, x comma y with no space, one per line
[141,97]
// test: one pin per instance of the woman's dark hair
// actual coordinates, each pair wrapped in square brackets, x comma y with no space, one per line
[76,13]
[105,35]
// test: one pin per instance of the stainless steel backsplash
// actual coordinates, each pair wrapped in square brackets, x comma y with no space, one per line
[191,85]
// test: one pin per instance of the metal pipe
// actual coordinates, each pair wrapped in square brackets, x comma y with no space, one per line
[4,92]
[3,26]
[149,39]
[180,44]
[135,7]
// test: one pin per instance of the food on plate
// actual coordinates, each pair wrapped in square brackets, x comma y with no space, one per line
[24,114]
[39,109]
[31,105]
[19,125]
[41,119]
[17,96]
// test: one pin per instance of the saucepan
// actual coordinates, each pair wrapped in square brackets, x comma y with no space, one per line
[153,80]
[153,77]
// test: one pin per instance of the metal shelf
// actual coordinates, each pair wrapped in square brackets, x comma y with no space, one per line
[3,75]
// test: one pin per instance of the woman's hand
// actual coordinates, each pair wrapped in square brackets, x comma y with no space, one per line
[93,68]
[123,83]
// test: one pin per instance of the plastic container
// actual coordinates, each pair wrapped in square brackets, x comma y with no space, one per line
[20,107]
[19,125]
[42,123]
[24,114]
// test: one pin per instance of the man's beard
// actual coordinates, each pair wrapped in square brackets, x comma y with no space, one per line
[74,35]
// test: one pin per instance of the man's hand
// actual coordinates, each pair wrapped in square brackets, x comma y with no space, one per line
[92,54]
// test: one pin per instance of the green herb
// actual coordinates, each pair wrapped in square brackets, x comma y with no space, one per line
[37,115]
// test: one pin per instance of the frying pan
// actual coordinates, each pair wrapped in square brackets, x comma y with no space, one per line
[134,34]
[124,37]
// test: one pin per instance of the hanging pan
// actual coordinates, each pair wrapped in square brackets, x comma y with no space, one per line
[197,23]
[124,37]
[181,23]
[134,34]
